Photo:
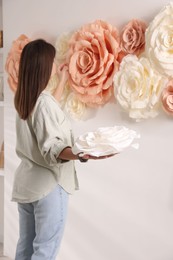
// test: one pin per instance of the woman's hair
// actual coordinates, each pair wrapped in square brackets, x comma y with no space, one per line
[34,73]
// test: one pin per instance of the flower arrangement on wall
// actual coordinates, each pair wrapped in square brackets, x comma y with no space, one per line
[133,65]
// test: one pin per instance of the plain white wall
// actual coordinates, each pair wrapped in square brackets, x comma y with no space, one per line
[124,209]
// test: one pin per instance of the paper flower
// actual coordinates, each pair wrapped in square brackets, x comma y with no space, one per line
[13,58]
[62,46]
[52,84]
[167,98]
[106,141]
[132,38]
[74,107]
[92,59]
[138,88]
[159,41]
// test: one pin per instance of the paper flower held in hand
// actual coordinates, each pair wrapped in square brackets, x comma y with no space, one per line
[159,41]
[13,58]
[92,59]
[138,87]
[167,98]
[132,38]
[105,141]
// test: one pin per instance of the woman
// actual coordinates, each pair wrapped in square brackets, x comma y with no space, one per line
[46,174]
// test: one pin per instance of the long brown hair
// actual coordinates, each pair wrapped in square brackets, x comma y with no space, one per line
[34,73]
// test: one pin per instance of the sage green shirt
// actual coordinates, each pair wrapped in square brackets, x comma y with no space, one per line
[40,140]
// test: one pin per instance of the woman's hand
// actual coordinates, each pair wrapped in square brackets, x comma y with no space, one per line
[62,74]
[86,157]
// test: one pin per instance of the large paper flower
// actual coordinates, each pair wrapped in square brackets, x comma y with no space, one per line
[167,98]
[13,58]
[138,87]
[159,41]
[132,38]
[92,60]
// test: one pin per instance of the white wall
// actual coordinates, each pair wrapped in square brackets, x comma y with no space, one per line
[124,209]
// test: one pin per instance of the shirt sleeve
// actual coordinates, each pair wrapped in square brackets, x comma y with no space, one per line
[49,135]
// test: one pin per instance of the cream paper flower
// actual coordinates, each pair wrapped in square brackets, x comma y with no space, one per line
[138,88]
[52,84]
[74,107]
[106,141]
[65,94]
[159,41]
[62,46]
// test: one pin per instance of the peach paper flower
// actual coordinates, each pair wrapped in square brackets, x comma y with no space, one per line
[92,59]
[13,58]
[167,98]
[132,38]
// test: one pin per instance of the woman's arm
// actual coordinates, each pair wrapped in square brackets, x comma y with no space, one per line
[63,76]
[67,154]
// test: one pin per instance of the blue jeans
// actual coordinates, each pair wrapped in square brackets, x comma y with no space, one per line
[41,226]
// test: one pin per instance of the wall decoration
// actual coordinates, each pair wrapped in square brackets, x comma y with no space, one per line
[138,87]
[132,38]
[133,65]
[167,98]
[13,58]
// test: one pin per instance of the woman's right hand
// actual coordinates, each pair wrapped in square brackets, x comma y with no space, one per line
[63,74]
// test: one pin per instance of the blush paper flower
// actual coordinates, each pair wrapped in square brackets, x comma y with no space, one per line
[167,98]
[106,140]
[159,41]
[92,59]
[13,59]
[138,88]
[132,38]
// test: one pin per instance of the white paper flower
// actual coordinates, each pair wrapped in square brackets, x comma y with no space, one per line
[106,140]
[65,94]
[159,41]
[61,46]
[74,107]
[138,88]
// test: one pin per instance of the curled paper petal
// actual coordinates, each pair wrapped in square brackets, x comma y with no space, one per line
[105,141]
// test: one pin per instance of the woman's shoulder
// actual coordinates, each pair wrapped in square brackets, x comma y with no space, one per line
[47,101]
[47,105]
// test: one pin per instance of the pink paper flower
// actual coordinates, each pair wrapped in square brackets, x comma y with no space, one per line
[167,98]
[132,38]
[92,59]
[13,58]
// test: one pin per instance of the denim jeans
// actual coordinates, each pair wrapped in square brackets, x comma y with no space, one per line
[41,226]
